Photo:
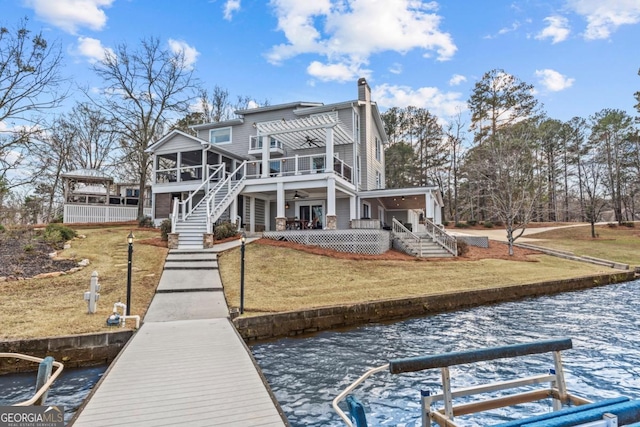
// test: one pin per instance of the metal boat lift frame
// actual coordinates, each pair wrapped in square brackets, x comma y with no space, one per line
[444,417]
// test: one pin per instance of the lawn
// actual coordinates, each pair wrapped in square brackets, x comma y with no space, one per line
[282,279]
[615,243]
[55,306]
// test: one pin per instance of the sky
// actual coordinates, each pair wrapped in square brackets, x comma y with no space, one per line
[580,55]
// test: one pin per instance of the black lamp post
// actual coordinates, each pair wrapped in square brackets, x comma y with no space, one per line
[130,241]
[242,240]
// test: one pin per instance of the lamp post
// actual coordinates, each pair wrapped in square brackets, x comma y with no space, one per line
[130,241]
[242,240]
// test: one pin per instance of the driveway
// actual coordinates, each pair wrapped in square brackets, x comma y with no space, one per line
[500,234]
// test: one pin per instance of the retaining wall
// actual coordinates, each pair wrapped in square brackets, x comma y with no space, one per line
[73,351]
[309,321]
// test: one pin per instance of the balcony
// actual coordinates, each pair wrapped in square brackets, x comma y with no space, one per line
[275,147]
[299,165]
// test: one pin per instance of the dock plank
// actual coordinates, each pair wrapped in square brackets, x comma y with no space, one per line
[191,372]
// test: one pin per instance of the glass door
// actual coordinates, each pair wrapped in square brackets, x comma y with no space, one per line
[311,216]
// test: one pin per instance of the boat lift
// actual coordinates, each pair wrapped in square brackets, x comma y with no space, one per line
[46,376]
[569,410]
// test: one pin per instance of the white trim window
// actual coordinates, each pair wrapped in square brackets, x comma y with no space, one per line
[378,149]
[220,136]
[378,180]
[366,210]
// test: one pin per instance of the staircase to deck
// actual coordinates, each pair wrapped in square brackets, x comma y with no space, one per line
[434,243]
[192,222]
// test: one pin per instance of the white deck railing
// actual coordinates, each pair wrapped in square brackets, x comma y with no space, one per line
[299,165]
[101,213]
[440,236]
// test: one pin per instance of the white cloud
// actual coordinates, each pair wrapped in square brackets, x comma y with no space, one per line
[604,17]
[230,7]
[190,53]
[92,49]
[336,72]
[442,104]
[69,15]
[557,30]
[504,30]
[396,68]
[456,79]
[553,80]
[348,32]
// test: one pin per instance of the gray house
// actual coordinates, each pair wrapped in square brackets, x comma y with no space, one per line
[295,168]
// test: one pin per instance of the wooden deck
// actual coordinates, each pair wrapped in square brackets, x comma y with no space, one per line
[192,372]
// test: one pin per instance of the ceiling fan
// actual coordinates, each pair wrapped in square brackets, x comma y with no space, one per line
[312,141]
[299,196]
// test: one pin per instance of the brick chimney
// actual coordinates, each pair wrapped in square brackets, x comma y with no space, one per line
[364,91]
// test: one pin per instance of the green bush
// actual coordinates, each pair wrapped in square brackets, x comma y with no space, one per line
[54,238]
[65,232]
[488,224]
[461,225]
[629,224]
[224,230]
[472,222]
[2,229]
[498,223]
[145,222]
[445,223]
[463,247]
[165,229]
[612,225]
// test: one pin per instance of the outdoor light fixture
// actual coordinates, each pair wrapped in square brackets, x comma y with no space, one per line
[295,196]
[254,125]
[243,238]
[402,197]
[286,205]
[130,242]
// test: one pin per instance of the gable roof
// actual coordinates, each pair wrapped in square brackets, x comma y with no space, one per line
[168,137]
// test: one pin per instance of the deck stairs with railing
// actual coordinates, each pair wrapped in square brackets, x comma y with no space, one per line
[433,243]
[191,220]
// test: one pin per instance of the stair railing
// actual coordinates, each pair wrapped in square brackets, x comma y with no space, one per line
[215,176]
[403,233]
[175,214]
[441,237]
[231,185]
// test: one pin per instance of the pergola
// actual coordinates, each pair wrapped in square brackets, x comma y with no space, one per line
[307,132]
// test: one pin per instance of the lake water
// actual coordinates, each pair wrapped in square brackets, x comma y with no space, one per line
[306,374]
[69,390]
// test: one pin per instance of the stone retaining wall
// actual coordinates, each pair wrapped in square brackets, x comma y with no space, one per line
[73,351]
[309,321]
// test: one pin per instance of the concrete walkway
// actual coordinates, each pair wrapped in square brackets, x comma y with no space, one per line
[186,365]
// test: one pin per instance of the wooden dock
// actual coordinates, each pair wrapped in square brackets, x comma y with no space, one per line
[188,368]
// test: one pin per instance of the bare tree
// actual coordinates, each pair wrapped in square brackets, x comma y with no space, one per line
[507,172]
[144,89]
[30,83]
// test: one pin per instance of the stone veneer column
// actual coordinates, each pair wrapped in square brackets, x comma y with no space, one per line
[332,222]
[172,242]
[207,240]
[281,223]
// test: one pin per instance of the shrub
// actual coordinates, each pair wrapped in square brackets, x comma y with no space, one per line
[165,229]
[65,232]
[498,223]
[445,223]
[629,224]
[463,247]
[461,225]
[488,224]
[54,238]
[409,226]
[472,222]
[612,225]
[145,222]
[224,230]
[2,229]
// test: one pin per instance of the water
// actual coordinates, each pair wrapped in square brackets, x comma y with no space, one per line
[307,373]
[69,389]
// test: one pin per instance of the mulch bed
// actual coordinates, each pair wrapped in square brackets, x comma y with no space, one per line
[23,254]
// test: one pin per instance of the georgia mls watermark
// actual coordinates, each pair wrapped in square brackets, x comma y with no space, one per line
[31,416]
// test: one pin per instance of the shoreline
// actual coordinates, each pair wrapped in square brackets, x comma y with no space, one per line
[102,348]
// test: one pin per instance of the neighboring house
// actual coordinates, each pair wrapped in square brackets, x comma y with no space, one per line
[289,168]
[91,196]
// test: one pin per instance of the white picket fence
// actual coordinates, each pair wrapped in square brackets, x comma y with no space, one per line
[107,213]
